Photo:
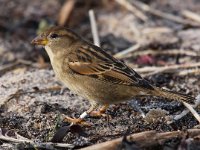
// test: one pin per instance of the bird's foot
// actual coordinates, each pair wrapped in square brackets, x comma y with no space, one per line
[77,121]
[97,114]
[100,112]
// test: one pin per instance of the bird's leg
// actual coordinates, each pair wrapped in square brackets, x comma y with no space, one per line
[100,112]
[80,120]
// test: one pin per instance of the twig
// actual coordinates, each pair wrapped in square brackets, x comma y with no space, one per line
[10,139]
[94,28]
[166,52]
[35,144]
[144,139]
[155,70]
[189,71]
[157,29]
[185,112]
[133,9]
[161,14]
[175,52]
[125,52]
[191,15]
[65,12]
[191,109]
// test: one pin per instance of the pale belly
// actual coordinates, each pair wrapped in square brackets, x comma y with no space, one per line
[99,91]
[92,89]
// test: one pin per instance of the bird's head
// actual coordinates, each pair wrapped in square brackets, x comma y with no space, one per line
[56,39]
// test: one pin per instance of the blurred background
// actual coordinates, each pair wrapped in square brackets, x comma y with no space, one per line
[166,24]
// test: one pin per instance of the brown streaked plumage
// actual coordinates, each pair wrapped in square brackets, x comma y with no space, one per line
[94,74]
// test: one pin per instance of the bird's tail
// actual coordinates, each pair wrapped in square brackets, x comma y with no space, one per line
[174,96]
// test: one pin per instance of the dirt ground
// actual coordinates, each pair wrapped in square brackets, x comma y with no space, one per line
[33,101]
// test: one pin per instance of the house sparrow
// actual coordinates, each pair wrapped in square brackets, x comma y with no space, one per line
[95,75]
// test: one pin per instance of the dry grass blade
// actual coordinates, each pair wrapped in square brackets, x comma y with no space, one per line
[185,112]
[191,109]
[94,28]
[147,71]
[133,9]
[161,14]
[66,11]
[125,52]
[10,139]
[128,52]
[195,71]
[191,15]
[166,52]
[157,29]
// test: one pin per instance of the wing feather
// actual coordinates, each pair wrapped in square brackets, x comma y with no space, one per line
[95,62]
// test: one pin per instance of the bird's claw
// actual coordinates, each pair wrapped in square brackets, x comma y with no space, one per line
[97,114]
[77,121]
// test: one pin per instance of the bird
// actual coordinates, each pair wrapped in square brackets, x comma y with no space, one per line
[94,74]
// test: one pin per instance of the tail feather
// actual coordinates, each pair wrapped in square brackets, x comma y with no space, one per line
[174,96]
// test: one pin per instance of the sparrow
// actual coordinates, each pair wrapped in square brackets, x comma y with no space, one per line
[92,73]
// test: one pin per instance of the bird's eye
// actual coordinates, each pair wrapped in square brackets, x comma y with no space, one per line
[54,35]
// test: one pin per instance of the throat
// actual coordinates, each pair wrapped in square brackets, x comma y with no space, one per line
[50,53]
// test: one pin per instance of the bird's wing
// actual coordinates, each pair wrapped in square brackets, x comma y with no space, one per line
[93,61]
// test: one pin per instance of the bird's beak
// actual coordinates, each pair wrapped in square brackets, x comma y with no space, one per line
[40,41]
